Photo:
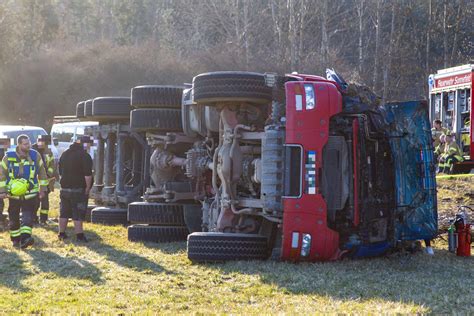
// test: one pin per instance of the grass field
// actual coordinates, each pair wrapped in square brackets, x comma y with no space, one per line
[111,275]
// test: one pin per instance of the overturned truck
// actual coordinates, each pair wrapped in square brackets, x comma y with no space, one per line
[119,158]
[170,209]
[304,168]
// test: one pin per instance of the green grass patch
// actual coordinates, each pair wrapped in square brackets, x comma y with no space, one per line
[111,275]
[455,176]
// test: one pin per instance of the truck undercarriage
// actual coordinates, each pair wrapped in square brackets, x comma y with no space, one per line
[301,164]
[297,167]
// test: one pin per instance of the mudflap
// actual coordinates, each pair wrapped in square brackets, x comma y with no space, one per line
[416,215]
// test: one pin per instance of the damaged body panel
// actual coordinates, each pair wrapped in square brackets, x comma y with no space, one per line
[316,166]
[409,132]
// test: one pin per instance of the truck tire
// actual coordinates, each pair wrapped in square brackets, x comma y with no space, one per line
[89,212]
[80,109]
[157,120]
[156,213]
[111,107]
[193,217]
[150,233]
[157,97]
[208,247]
[88,108]
[109,216]
[231,86]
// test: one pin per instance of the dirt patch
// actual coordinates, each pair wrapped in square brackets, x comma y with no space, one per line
[452,193]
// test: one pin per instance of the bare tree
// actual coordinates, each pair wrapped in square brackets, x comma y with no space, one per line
[378,34]
[360,6]
[428,42]
[388,60]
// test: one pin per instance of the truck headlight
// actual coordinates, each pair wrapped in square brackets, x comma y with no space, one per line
[310,97]
[305,245]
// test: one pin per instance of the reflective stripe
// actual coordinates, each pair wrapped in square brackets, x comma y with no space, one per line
[28,196]
[4,165]
[49,159]
[26,230]
[12,159]
[43,182]
[44,212]
[15,233]
[32,172]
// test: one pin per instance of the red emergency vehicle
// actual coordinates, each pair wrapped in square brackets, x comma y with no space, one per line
[451,102]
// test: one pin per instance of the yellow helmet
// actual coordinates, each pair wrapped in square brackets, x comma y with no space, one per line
[18,187]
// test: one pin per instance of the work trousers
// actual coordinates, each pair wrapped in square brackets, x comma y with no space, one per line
[43,206]
[446,165]
[20,230]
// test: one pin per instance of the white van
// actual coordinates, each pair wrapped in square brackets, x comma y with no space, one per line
[64,134]
[13,131]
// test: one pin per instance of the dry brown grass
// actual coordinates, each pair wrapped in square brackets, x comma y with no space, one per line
[452,193]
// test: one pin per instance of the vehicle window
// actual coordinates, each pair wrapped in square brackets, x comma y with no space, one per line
[63,133]
[32,134]
[80,131]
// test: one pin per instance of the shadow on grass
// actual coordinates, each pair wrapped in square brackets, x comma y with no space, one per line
[65,267]
[169,248]
[12,270]
[120,257]
[420,279]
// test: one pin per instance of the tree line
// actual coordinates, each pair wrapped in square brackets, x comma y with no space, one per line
[55,53]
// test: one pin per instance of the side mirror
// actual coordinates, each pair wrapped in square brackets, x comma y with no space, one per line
[55,142]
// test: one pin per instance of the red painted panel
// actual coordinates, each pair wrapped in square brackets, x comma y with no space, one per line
[310,129]
[454,80]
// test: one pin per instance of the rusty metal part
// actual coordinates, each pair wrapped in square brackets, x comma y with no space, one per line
[168,139]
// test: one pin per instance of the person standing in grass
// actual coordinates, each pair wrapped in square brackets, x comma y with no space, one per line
[22,179]
[75,170]
[4,145]
[42,146]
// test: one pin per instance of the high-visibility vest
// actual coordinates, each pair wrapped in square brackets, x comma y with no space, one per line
[49,164]
[29,167]
[452,149]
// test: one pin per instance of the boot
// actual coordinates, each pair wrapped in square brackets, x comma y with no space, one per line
[81,237]
[27,242]
[43,219]
[62,236]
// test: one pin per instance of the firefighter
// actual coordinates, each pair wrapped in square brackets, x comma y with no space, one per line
[4,145]
[440,148]
[437,131]
[465,138]
[42,146]
[451,154]
[22,178]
